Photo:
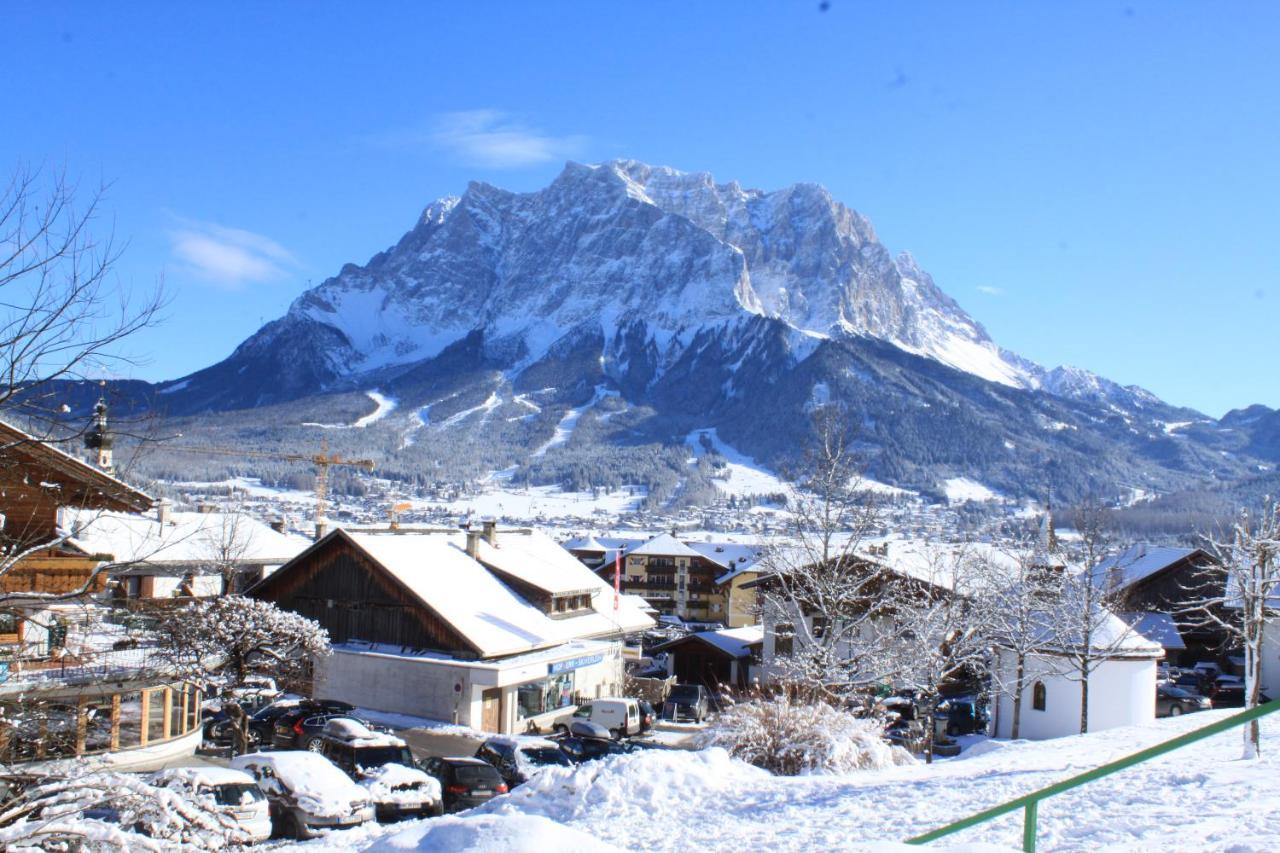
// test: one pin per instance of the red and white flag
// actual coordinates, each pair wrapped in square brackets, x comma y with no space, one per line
[617,579]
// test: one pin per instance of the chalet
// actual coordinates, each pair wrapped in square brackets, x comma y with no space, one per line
[72,683]
[1156,588]
[169,556]
[500,630]
[689,580]
[728,657]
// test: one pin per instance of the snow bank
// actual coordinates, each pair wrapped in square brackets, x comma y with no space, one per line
[498,833]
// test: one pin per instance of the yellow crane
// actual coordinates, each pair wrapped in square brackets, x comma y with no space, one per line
[322,460]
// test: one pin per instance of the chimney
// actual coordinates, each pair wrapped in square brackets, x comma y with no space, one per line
[473,544]
[322,527]
[162,511]
[490,531]
[205,508]
[277,524]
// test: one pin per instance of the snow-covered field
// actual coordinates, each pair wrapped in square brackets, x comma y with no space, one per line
[961,489]
[540,502]
[746,476]
[1202,797]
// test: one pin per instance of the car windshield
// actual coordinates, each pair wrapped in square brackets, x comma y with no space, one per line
[233,794]
[684,693]
[376,756]
[544,756]
[474,774]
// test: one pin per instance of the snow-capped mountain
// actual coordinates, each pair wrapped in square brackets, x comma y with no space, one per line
[712,305]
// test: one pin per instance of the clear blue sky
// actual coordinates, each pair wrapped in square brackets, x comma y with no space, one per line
[1096,182]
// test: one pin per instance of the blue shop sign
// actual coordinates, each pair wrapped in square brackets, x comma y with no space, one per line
[572,663]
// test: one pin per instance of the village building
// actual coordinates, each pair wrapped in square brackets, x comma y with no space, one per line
[73,683]
[1122,688]
[169,557]
[699,582]
[499,630]
[1156,589]
[726,658]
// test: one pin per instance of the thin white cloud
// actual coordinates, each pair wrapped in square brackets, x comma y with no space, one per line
[989,290]
[229,257]
[490,139]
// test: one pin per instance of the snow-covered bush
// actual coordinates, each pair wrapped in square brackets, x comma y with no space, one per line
[792,738]
[105,810]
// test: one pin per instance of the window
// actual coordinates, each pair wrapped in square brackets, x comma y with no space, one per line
[538,697]
[819,627]
[783,639]
[1038,696]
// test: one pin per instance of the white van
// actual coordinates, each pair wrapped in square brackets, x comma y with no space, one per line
[622,717]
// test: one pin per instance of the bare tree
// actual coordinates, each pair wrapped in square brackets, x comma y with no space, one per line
[1021,594]
[821,593]
[1087,628]
[1245,584]
[62,313]
[941,631]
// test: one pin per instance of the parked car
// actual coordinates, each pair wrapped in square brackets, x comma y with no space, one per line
[383,765]
[579,749]
[262,723]
[518,758]
[303,727]
[234,793]
[1173,701]
[465,782]
[306,792]
[965,715]
[688,702]
[621,717]
[1207,669]
[1191,681]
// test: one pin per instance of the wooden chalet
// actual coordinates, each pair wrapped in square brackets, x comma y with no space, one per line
[1150,580]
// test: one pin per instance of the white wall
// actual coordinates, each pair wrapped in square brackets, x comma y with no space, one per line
[1271,659]
[1121,693]
[420,687]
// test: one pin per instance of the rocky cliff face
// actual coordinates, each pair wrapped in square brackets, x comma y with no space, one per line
[712,305]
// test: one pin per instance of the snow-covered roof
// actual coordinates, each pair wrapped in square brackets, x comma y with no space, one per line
[734,641]
[1136,563]
[1156,627]
[464,593]
[101,490]
[664,545]
[536,559]
[590,544]
[187,538]
[474,600]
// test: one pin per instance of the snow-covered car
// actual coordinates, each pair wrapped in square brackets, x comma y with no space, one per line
[307,793]
[383,765]
[518,758]
[233,793]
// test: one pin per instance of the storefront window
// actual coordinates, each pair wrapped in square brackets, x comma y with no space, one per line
[539,697]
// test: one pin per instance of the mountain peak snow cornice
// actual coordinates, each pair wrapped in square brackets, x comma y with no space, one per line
[609,244]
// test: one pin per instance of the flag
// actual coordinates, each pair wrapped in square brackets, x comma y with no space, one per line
[617,579]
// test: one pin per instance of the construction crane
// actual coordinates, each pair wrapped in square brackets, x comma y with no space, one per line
[322,460]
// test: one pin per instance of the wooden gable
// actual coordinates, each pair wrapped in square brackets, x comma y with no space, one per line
[353,597]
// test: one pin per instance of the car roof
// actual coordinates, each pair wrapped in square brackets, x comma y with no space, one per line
[207,775]
[460,760]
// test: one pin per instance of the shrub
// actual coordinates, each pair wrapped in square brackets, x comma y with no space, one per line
[790,738]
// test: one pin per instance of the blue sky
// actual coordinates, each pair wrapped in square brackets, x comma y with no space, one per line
[1097,183]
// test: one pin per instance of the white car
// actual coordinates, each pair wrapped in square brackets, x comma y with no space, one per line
[234,793]
[307,793]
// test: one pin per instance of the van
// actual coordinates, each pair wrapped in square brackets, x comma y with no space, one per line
[622,717]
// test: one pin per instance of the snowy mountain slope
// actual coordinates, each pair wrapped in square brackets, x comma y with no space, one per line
[701,306]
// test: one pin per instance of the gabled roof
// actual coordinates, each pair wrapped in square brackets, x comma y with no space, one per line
[1157,627]
[1137,563]
[664,545]
[434,568]
[97,489]
[186,538]
[735,642]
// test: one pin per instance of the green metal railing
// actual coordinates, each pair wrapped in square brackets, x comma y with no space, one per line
[1030,802]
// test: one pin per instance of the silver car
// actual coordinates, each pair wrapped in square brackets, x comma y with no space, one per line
[307,792]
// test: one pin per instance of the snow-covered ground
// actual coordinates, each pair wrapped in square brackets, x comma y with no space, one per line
[384,406]
[746,476]
[569,421]
[1202,797]
[540,502]
[961,489]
